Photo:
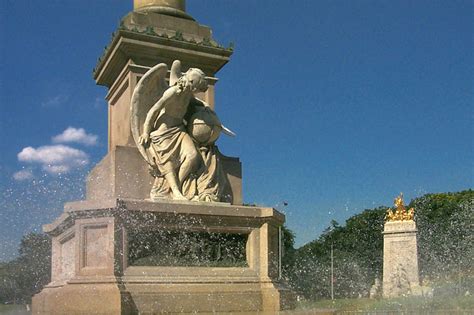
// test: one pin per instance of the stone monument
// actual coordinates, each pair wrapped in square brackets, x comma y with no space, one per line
[400,257]
[163,228]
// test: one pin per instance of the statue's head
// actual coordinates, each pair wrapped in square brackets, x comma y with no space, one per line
[197,79]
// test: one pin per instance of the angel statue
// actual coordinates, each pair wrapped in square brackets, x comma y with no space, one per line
[175,132]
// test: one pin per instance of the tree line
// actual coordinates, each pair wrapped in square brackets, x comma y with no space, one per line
[27,274]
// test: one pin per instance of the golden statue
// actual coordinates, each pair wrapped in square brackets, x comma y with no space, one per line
[400,213]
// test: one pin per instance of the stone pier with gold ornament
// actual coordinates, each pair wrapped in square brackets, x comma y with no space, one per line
[143,242]
[400,254]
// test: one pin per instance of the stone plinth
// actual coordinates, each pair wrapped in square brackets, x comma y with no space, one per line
[400,259]
[91,273]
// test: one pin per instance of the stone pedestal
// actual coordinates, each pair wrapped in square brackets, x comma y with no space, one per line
[400,259]
[93,267]
[91,273]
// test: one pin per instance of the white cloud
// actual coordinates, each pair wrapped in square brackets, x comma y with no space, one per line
[55,159]
[25,174]
[56,169]
[55,101]
[78,135]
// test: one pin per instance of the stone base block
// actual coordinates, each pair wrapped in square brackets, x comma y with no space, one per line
[207,298]
[80,299]
[94,273]
[278,298]
[160,299]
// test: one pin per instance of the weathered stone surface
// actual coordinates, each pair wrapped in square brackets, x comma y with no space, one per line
[89,298]
[400,259]
[98,230]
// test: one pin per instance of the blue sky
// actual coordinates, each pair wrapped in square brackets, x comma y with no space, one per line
[338,105]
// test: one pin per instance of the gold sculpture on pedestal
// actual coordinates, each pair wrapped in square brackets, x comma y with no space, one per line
[400,213]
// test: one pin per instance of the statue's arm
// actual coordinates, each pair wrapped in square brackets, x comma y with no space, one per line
[199,101]
[152,115]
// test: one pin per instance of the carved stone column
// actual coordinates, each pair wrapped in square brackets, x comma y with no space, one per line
[168,7]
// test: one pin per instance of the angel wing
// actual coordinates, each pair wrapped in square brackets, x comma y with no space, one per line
[175,72]
[148,91]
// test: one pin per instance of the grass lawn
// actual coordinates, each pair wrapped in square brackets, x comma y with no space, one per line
[12,309]
[410,304]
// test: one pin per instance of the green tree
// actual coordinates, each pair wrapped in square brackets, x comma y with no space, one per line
[24,276]
[445,239]
[357,249]
[288,250]
[9,288]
